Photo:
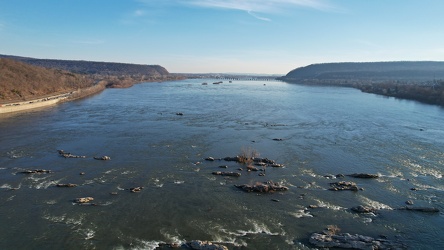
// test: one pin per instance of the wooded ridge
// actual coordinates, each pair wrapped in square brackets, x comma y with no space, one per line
[99,68]
[417,80]
[24,78]
[20,81]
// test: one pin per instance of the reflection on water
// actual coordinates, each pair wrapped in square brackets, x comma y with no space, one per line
[325,131]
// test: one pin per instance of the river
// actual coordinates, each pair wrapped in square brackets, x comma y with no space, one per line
[322,132]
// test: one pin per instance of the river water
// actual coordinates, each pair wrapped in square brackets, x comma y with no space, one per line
[324,131]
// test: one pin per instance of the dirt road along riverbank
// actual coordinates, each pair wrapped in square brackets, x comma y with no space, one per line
[32,104]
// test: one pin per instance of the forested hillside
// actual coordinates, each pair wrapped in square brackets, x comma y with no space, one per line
[100,68]
[21,81]
[421,81]
[369,71]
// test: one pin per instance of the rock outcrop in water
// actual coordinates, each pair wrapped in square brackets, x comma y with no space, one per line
[364,209]
[343,185]
[135,189]
[233,174]
[83,200]
[204,245]
[352,241]
[66,185]
[36,171]
[69,155]
[103,158]
[420,209]
[265,187]
[364,176]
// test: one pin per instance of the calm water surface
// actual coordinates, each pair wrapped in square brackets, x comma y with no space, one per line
[325,131]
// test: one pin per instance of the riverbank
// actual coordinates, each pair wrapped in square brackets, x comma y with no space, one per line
[51,100]
[32,104]
[110,82]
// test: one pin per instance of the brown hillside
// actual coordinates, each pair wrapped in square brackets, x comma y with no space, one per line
[21,81]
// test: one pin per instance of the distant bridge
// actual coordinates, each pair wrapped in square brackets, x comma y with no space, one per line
[232,77]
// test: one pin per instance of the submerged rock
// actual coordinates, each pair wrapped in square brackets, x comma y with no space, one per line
[69,155]
[204,245]
[36,171]
[409,202]
[234,174]
[66,185]
[356,241]
[265,187]
[236,159]
[364,176]
[343,185]
[103,158]
[420,209]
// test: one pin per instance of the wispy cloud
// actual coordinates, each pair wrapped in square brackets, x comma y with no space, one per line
[259,17]
[255,8]
[262,6]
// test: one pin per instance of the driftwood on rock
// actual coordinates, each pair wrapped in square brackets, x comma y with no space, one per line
[356,241]
[234,174]
[265,187]
[364,176]
[343,185]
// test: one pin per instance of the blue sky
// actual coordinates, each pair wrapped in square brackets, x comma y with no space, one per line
[235,36]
